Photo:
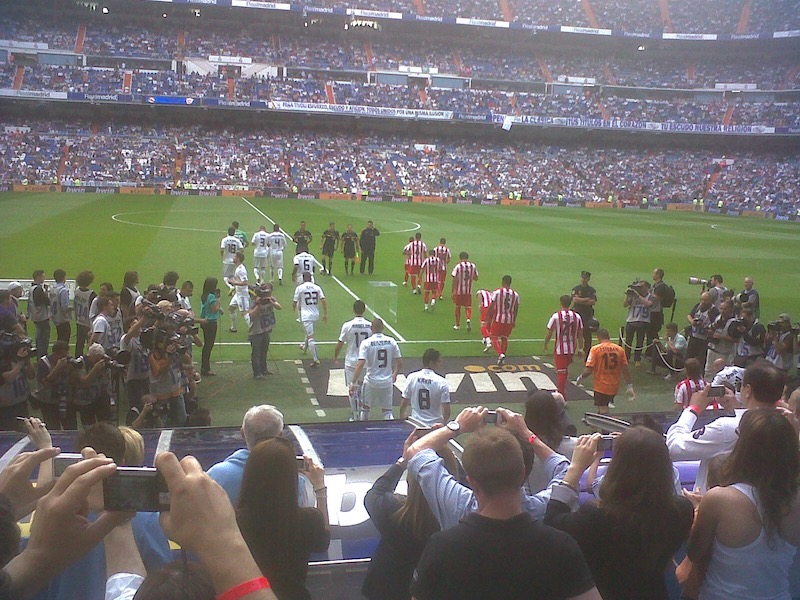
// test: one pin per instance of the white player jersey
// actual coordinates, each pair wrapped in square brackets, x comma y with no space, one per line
[230,246]
[427,391]
[240,274]
[732,376]
[260,244]
[379,353]
[353,333]
[83,302]
[304,263]
[277,241]
[308,295]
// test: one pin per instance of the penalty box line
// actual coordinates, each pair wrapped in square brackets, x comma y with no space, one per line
[394,332]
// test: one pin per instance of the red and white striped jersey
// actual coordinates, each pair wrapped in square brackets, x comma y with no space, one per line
[415,253]
[568,328]
[484,298]
[431,268]
[506,302]
[464,273]
[443,253]
[685,389]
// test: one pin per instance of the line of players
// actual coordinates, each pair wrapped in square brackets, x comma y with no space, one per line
[427,271]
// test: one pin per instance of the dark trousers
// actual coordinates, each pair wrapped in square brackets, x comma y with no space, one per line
[96,412]
[81,339]
[367,255]
[64,331]
[135,389]
[56,419]
[9,414]
[635,330]
[42,338]
[587,339]
[209,337]
[698,348]
[656,322]
[259,347]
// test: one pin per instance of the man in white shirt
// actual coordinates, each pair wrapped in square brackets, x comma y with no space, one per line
[354,331]
[103,332]
[260,244]
[427,394]
[241,299]
[303,263]
[307,298]
[380,360]
[762,386]
[277,243]
[228,248]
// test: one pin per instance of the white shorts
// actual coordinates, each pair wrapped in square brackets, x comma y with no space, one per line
[348,373]
[298,279]
[377,397]
[228,270]
[309,327]
[260,262]
[276,256]
[242,301]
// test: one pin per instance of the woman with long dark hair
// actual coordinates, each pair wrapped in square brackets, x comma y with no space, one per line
[209,318]
[630,534]
[747,531]
[281,535]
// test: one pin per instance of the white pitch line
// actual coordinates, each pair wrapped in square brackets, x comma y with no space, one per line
[332,343]
[394,332]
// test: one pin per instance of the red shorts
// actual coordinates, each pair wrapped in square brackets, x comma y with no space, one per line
[463,300]
[414,269]
[431,286]
[501,330]
[563,361]
[408,269]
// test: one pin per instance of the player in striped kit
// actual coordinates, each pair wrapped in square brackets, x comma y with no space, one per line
[694,382]
[502,315]
[416,252]
[568,328]
[260,244]
[277,243]
[430,271]
[407,266]
[443,253]
[354,331]
[464,273]
[484,302]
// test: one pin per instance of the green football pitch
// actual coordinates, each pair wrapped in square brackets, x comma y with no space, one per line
[543,249]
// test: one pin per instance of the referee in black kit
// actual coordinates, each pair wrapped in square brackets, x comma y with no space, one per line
[367,243]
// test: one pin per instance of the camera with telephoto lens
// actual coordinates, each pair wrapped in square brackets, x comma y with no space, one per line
[184,324]
[151,310]
[116,359]
[636,288]
[76,363]
[698,281]
[775,326]
[13,348]
[263,293]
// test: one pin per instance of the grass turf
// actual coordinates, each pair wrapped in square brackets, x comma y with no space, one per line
[544,249]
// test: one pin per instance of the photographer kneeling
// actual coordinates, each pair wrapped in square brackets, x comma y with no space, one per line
[638,303]
[262,320]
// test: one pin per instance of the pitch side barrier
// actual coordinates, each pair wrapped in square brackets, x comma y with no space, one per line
[282,194]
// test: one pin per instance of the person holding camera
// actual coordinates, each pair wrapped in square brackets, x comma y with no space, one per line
[92,397]
[39,312]
[700,318]
[781,340]
[749,297]
[54,394]
[166,368]
[722,336]
[750,346]
[638,301]
[262,320]
[671,351]
[137,375]
[15,370]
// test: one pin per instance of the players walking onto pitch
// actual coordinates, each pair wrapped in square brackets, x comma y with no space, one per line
[427,394]
[241,299]
[260,243]
[464,273]
[415,252]
[303,263]
[484,302]
[329,246]
[354,331]
[277,243]
[349,248]
[502,316]
[443,254]
[608,364]
[228,248]
[380,360]
[430,272]
[568,328]
[307,298]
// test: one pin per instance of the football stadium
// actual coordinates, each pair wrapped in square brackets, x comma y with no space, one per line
[509,284]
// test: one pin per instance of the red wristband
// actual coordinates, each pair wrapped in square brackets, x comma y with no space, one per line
[245,588]
[695,411]
[533,438]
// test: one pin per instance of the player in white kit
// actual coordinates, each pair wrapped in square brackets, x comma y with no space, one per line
[260,244]
[380,360]
[241,299]
[354,331]
[303,263]
[277,244]
[427,394]
[228,248]
[307,298]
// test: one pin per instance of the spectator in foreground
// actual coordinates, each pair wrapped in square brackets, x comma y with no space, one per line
[546,417]
[501,539]
[280,534]
[629,536]
[747,531]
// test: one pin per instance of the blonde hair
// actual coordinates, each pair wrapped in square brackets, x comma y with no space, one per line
[134,447]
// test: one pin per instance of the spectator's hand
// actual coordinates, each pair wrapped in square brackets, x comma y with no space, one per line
[38,433]
[693,497]
[700,399]
[471,419]
[585,451]
[513,422]
[15,480]
[791,417]
[314,471]
[728,401]
[630,392]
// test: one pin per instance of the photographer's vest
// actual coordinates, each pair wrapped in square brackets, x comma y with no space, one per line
[39,304]
[54,391]
[14,392]
[58,310]
[83,302]
[97,389]
[746,349]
